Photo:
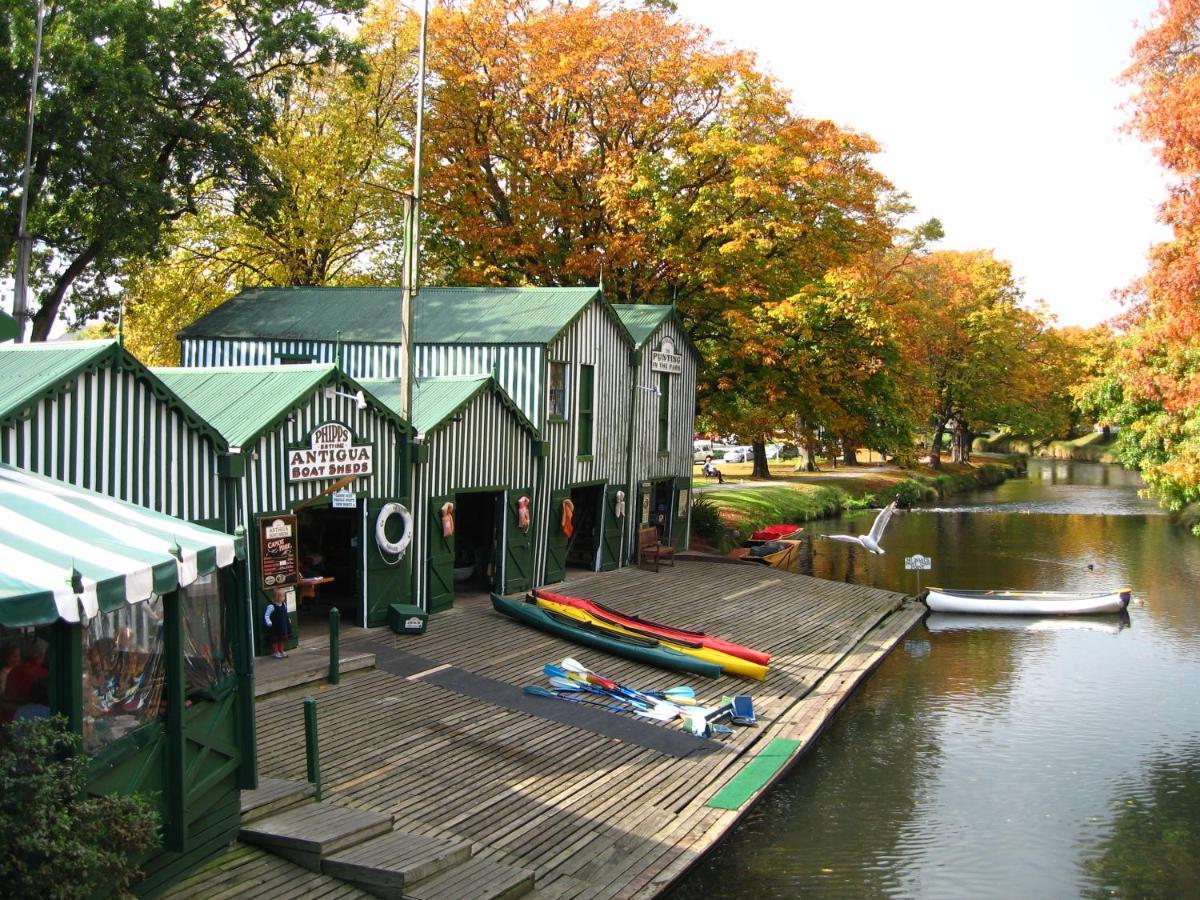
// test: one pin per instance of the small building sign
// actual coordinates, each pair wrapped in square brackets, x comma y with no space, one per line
[665,359]
[918,563]
[277,550]
[344,499]
[331,453]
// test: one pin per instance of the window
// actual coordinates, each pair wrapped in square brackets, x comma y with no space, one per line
[206,653]
[556,396]
[122,672]
[587,377]
[664,412]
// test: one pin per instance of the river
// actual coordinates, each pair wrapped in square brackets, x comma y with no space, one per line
[1050,759]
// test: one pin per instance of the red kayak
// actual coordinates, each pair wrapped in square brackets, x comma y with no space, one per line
[777,533]
[655,629]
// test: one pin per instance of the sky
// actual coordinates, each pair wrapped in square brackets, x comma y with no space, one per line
[1002,119]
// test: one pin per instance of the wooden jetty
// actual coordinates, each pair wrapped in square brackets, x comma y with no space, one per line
[551,808]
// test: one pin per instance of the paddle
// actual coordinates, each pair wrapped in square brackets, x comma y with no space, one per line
[681,695]
[657,715]
[574,667]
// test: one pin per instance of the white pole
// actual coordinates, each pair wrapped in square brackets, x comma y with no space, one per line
[412,261]
[24,243]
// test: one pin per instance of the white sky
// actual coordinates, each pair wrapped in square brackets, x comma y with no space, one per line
[1000,118]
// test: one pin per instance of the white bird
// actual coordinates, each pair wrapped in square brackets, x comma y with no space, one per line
[871,539]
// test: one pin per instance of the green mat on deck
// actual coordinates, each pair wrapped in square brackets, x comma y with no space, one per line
[757,773]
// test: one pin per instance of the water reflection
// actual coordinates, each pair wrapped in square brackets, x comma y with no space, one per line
[1039,758]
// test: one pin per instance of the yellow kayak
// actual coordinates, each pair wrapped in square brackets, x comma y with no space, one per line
[730,664]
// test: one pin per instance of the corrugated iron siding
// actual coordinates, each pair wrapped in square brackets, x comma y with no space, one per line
[110,433]
[358,360]
[488,448]
[266,476]
[594,339]
[518,368]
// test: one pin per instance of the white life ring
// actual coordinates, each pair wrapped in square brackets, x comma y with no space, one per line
[396,548]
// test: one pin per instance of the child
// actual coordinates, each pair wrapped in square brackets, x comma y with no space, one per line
[278,624]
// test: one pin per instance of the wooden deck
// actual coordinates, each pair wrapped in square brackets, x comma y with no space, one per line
[590,815]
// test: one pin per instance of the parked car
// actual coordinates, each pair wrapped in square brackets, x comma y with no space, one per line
[739,454]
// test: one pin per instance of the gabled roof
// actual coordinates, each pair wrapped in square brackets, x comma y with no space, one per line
[242,402]
[441,315]
[64,549]
[642,320]
[29,372]
[437,400]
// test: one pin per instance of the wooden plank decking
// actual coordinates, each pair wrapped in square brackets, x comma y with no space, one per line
[592,816]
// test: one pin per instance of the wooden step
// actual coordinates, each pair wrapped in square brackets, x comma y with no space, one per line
[306,833]
[303,667]
[476,879]
[384,865]
[273,795]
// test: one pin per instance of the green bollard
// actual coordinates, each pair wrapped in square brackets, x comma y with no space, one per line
[310,744]
[335,658]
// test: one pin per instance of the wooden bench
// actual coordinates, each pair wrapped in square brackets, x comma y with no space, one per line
[651,550]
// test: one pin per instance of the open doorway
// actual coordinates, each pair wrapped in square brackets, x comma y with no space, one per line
[584,542]
[662,496]
[330,564]
[477,541]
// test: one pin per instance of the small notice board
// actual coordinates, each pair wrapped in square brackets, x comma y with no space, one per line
[278,553]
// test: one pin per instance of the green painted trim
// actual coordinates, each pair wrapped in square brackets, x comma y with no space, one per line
[757,773]
[175,827]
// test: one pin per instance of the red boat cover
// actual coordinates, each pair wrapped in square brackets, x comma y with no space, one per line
[774,532]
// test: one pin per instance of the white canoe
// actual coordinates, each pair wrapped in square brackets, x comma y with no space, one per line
[1027,603]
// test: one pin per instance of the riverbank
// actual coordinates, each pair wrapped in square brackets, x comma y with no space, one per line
[1094,446]
[724,516]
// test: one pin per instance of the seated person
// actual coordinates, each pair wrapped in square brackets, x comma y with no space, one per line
[31,670]
[312,565]
[38,704]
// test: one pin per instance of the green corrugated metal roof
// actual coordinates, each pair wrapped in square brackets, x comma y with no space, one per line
[27,371]
[642,319]
[241,402]
[441,315]
[437,399]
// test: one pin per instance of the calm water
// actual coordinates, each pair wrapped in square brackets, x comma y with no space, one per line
[1042,759]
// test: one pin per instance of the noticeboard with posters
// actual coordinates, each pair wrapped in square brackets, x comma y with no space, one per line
[278,551]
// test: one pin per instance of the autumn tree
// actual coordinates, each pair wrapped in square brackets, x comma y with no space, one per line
[142,106]
[1154,391]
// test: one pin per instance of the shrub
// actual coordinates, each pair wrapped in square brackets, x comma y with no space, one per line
[55,840]
[706,521]
[913,490]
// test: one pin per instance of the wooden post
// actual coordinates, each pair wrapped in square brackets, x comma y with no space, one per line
[312,751]
[335,659]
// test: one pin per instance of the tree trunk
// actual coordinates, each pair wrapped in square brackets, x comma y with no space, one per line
[810,455]
[1107,432]
[849,454]
[935,445]
[760,460]
[43,319]
[961,443]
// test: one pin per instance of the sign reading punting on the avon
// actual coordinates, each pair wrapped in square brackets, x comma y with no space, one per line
[665,359]
[331,453]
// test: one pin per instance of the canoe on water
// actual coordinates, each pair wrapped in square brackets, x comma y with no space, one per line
[657,629]
[730,665]
[643,650]
[776,533]
[777,554]
[1028,603]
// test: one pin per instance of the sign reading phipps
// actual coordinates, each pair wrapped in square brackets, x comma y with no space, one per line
[918,563]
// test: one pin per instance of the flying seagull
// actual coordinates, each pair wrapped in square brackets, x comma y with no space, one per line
[871,539]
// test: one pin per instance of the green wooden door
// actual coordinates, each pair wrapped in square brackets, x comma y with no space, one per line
[556,541]
[612,530]
[518,548]
[682,509]
[387,581]
[440,582]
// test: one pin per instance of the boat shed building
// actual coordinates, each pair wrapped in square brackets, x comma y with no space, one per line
[90,414]
[563,355]
[314,460]
[664,419]
[475,475]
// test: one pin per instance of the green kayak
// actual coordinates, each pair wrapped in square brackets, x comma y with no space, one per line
[637,648]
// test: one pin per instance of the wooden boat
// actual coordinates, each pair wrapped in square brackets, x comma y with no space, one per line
[644,650]
[730,665]
[648,628]
[1028,603]
[777,554]
[776,533]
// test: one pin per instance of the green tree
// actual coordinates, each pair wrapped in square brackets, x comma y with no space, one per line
[55,840]
[142,107]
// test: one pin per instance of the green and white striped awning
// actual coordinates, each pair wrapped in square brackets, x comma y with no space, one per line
[68,553]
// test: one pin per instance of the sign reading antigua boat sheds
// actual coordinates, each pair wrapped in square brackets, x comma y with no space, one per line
[665,359]
[331,454]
